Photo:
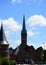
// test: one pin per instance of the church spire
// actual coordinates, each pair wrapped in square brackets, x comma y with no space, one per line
[24,23]
[2,28]
[1,31]
[2,34]
[24,33]
[24,27]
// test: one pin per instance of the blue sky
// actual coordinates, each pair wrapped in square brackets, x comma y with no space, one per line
[11,14]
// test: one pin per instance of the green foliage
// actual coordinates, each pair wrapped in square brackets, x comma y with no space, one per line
[0,61]
[11,63]
[4,61]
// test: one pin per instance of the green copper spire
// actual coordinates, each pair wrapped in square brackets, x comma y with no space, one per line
[24,27]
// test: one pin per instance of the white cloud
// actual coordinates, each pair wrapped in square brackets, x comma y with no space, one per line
[30,33]
[36,20]
[33,22]
[16,1]
[13,1]
[7,33]
[11,24]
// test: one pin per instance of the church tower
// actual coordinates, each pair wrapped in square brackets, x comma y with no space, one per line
[24,33]
[4,46]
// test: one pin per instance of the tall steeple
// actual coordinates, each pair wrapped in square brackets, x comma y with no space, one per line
[24,33]
[2,34]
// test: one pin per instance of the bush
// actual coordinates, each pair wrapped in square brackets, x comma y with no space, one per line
[0,61]
[4,61]
[11,63]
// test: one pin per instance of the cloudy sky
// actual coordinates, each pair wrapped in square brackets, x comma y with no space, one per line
[11,14]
